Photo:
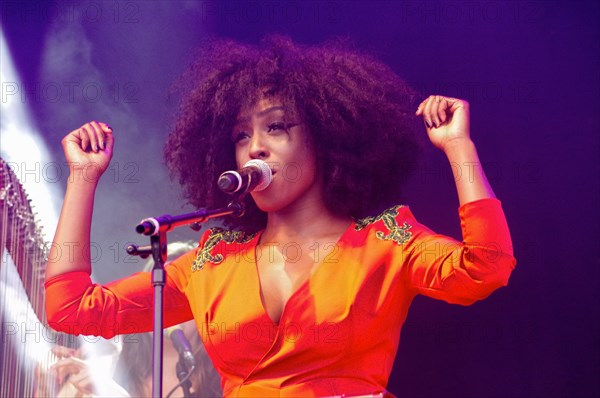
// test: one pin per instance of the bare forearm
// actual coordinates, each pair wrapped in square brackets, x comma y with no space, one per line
[471,182]
[88,151]
[71,245]
[448,127]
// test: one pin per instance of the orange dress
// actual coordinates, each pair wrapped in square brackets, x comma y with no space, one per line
[338,333]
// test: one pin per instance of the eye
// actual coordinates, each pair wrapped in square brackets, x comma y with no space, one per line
[240,136]
[277,127]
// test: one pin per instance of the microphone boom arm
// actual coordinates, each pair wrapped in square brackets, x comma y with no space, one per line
[165,223]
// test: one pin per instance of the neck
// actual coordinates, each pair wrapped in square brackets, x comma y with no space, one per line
[304,221]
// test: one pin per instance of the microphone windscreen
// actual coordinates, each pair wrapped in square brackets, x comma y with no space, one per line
[265,173]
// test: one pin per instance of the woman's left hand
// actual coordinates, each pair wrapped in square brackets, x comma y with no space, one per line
[446,119]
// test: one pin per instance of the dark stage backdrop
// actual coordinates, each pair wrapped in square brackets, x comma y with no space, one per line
[530,70]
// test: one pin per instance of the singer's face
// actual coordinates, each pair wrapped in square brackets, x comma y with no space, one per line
[268,132]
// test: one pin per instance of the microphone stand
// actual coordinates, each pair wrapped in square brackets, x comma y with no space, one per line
[157,229]
[184,378]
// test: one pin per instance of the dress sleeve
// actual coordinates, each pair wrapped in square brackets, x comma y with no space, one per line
[462,273]
[75,305]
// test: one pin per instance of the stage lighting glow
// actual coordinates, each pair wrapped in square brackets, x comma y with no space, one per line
[22,147]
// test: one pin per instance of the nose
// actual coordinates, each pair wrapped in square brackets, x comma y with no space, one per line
[258,148]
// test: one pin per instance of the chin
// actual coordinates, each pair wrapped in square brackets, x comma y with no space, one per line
[281,195]
[272,200]
[268,203]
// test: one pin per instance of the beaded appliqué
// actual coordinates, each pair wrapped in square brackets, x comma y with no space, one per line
[217,235]
[397,233]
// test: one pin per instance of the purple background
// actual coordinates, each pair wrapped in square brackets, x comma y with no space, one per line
[531,73]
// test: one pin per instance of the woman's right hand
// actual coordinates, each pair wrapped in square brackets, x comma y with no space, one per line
[89,149]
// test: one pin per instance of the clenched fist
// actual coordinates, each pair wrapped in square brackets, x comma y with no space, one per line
[89,149]
[446,119]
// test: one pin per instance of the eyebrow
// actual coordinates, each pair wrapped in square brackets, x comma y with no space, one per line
[261,113]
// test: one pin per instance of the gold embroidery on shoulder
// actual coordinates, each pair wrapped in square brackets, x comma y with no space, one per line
[217,235]
[397,233]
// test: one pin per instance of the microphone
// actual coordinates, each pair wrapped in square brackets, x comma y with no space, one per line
[254,176]
[182,345]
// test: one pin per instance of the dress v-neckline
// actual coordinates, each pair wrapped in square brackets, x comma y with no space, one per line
[302,286]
